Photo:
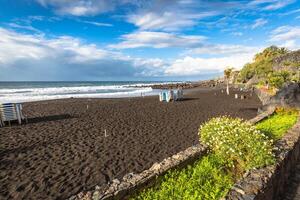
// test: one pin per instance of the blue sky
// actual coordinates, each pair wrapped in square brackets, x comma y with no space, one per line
[63,40]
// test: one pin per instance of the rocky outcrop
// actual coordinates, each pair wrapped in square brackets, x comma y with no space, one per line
[188,85]
[262,115]
[288,96]
[253,81]
[263,96]
[289,61]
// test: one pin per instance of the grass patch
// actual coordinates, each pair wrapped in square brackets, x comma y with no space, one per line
[277,124]
[236,146]
[205,179]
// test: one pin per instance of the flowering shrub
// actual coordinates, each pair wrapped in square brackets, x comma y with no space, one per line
[238,142]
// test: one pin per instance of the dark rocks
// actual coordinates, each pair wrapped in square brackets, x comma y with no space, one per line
[288,96]
[262,115]
[188,85]
[287,61]
[253,81]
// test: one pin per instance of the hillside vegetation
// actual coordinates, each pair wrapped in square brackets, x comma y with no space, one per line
[273,67]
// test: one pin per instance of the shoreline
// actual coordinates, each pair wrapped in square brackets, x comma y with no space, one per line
[32,94]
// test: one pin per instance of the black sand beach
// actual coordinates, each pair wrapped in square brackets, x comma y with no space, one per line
[74,144]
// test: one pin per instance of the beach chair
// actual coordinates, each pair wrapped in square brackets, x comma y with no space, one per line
[175,95]
[179,94]
[163,96]
[11,112]
[170,95]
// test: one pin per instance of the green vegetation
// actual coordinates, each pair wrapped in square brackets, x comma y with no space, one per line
[262,69]
[277,124]
[235,147]
[205,179]
[262,65]
[238,142]
[278,78]
[292,64]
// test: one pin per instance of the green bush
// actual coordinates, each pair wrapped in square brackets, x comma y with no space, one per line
[238,142]
[205,179]
[277,79]
[276,125]
[261,67]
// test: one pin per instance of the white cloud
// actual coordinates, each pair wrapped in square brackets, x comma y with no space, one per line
[291,44]
[190,66]
[35,57]
[285,33]
[259,22]
[24,27]
[95,23]
[157,40]
[15,45]
[81,8]
[278,4]
[224,49]
[167,21]
[291,12]
[286,36]
[173,15]
[271,4]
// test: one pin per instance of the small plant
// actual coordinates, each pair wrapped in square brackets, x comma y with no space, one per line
[205,179]
[277,124]
[238,142]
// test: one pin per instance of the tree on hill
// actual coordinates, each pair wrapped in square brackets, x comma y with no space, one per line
[227,74]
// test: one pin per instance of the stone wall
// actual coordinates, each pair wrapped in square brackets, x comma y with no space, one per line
[120,189]
[269,183]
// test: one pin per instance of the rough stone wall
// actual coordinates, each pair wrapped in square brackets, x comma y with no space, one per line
[262,115]
[269,183]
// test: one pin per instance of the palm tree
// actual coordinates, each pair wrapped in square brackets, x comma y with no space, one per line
[227,75]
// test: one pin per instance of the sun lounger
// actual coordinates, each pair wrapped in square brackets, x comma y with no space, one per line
[171,95]
[11,112]
[179,94]
[162,96]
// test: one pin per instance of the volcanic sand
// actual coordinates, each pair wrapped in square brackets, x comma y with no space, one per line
[72,145]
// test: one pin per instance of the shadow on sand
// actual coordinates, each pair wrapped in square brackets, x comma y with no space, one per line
[49,118]
[188,99]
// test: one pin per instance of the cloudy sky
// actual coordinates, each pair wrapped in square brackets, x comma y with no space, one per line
[139,39]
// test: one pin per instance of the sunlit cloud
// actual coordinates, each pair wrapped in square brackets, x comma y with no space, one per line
[157,40]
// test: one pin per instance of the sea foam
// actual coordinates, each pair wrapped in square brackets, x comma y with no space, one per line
[47,93]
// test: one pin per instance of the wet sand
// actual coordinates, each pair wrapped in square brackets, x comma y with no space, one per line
[72,145]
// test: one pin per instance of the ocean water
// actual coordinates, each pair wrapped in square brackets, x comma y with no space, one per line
[35,91]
